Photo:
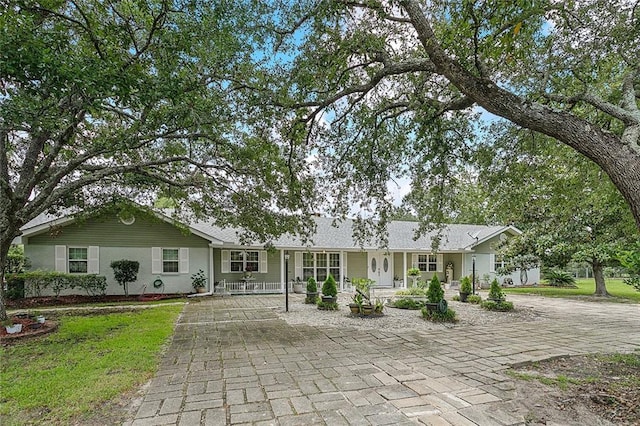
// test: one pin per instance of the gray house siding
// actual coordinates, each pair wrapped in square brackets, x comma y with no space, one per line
[118,241]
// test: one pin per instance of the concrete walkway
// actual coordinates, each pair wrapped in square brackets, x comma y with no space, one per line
[233,361]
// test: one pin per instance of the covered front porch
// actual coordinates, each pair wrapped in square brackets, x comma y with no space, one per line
[388,269]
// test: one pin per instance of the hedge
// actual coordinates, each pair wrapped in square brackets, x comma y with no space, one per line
[37,281]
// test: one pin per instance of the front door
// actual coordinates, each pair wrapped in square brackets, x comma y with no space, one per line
[380,268]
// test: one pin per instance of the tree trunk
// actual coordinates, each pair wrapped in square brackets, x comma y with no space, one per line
[4,252]
[598,274]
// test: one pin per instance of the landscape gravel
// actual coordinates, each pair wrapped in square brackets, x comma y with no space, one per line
[401,319]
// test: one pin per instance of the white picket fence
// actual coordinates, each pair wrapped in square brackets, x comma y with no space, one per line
[249,287]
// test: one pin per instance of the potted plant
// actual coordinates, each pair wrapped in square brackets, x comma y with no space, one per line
[312,291]
[397,281]
[414,274]
[11,327]
[356,305]
[297,285]
[465,288]
[329,290]
[199,281]
[435,295]
[367,309]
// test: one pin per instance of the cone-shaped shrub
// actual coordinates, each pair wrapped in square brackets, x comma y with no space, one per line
[435,292]
[329,287]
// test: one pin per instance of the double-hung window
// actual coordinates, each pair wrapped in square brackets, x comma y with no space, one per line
[170,260]
[244,260]
[320,265]
[428,262]
[78,258]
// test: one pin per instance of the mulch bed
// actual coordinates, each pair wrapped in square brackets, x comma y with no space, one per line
[30,328]
[49,301]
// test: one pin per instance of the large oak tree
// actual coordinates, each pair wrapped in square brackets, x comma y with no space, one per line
[387,88]
[104,100]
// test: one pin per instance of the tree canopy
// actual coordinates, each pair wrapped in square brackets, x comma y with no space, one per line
[567,206]
[137,100]
[391,88]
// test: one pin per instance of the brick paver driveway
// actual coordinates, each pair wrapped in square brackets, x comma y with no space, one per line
[233,361]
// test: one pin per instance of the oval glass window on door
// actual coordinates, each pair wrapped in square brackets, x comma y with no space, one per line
[385,264]
[374,264]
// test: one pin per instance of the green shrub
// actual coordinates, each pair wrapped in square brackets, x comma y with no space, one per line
[125,272]
[435,293]
[437,316]
[474,299]
[329,287]
[456,298]
[15,287]
[312,286]
[413,291]
[16,261]
[92,284]
[633,282]
[492,305]
[495,292]
[408,304]
[559,278]
[465,285]
[327,306]
[36,282]
[414,272]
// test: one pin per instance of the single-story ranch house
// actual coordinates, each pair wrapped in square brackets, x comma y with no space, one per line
[169,254]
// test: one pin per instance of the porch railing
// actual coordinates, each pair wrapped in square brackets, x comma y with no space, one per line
[252,287]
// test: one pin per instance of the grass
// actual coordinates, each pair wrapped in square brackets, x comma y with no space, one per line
[90,361]
[586,287]
[561,381]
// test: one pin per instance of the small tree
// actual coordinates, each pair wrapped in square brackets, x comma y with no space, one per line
[435,292]
[329,287]
[125,272]
[495,292]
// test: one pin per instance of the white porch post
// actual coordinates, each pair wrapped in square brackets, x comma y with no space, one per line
[342,271]
[282,271]
[211,270]
[404,269]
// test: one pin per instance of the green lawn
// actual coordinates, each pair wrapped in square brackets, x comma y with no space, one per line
[72,374]
[586,287]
